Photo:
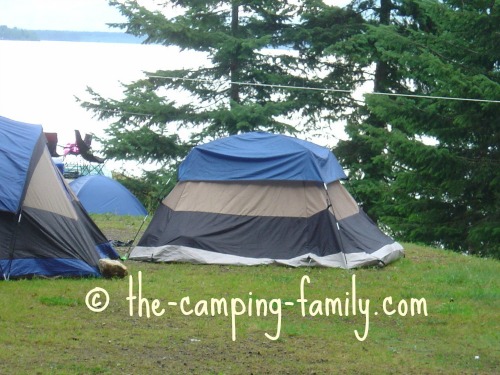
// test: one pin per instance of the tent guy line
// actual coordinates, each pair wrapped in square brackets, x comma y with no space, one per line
[329,89]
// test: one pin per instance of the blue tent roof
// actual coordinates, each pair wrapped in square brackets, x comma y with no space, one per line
[17,141]
[260,156]
[100,194]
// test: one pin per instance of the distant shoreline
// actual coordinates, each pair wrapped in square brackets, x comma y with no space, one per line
[7,33]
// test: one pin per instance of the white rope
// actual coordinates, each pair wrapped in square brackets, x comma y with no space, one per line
[330,90]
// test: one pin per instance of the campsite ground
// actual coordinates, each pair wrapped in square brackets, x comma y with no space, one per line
[46,326]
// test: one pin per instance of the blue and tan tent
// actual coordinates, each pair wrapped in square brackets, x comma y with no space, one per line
[44,231]
[260,198]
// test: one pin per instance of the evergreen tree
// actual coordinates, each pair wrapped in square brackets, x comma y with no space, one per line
[428,168]
[327,75]
[329,41]
[151,125]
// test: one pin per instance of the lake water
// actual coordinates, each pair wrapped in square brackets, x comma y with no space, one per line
[39,80]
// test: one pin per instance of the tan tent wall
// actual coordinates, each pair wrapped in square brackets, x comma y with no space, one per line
[274,198]
[45,191]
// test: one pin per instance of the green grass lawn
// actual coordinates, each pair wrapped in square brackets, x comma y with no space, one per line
[46,326]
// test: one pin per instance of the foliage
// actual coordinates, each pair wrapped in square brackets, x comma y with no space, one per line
[151,188]
[428,168]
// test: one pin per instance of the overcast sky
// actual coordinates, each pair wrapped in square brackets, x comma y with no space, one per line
[75,15]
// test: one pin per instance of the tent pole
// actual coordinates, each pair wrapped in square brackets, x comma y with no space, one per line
[329,202]
[132,242]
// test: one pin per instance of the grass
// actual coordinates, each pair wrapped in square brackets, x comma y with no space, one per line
[47,328]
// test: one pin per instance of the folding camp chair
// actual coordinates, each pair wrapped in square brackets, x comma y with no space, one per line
[96,163]
[84,148]
[91,164]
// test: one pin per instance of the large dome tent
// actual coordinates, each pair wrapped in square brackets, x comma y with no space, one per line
[260,198]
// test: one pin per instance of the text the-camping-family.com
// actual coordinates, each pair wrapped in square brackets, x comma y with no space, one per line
[97,300]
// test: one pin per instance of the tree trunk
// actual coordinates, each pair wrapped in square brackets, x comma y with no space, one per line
[234,65]
[382,68]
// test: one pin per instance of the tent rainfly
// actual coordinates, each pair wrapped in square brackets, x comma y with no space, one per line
[44,230]
[100,195]
[260,198]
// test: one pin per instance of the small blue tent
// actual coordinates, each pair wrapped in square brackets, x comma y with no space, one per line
[260,198]
[100,195]
[43,229]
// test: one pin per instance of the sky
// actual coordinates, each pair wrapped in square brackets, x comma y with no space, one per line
[74,15]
